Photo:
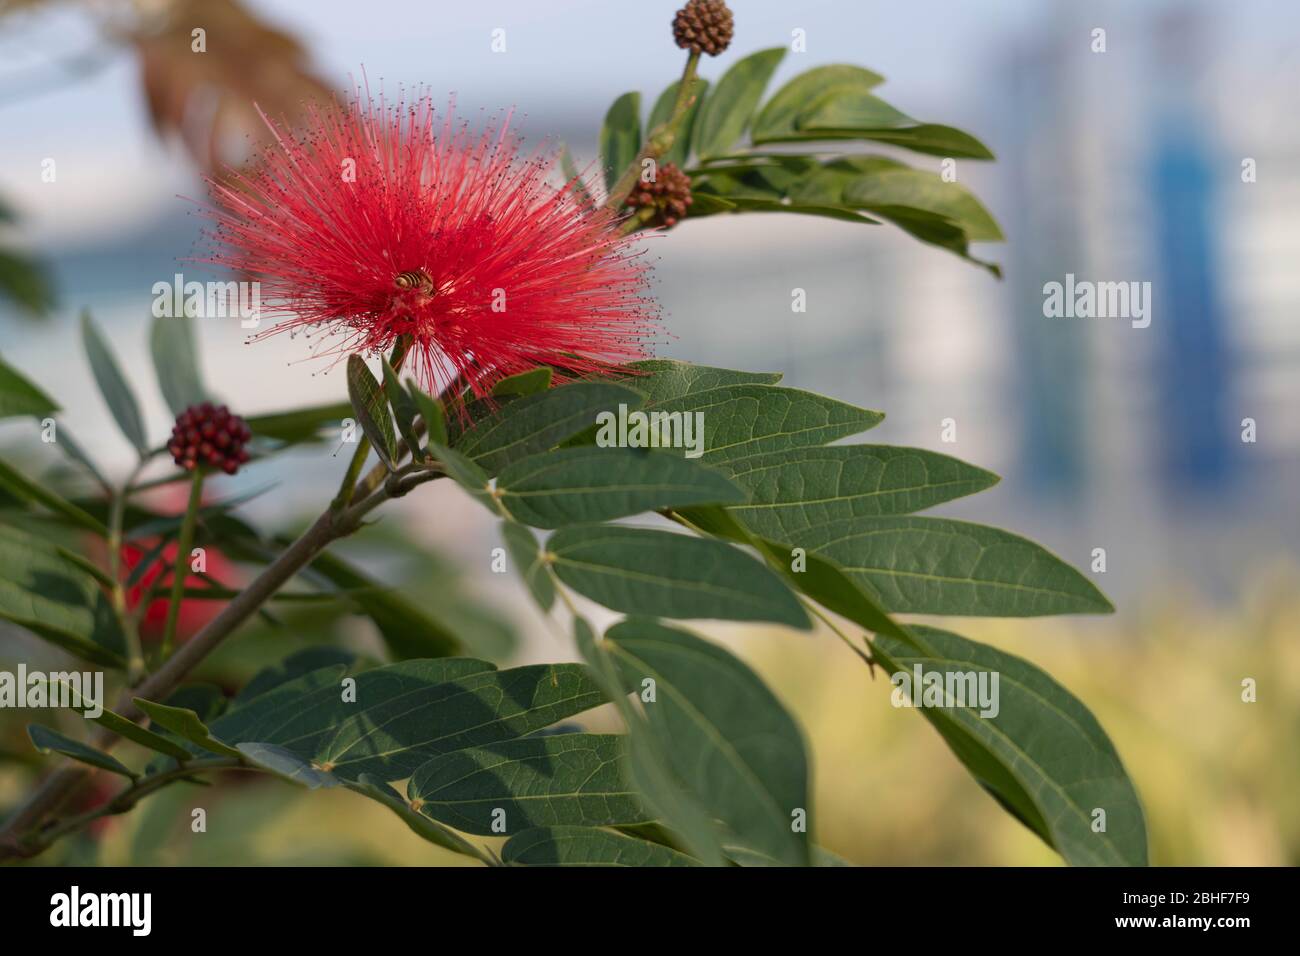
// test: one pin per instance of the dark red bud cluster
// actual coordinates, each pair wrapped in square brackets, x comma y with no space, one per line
[668,196]
[208,435]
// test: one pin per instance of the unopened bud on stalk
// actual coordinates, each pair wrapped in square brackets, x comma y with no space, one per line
[204,435]
[703,26]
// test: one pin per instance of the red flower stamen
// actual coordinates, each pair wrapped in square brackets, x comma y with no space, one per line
[380,221]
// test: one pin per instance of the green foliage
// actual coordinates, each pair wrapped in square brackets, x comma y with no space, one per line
[730,744]
[539,422]
[620,137]
[31,492]
[47,741]
[551,780]
[578,485]
[299,425]
[527,559]
[663,109]
[725,113]
[587,846]
[371,409]
[176,362]
[26,283]
[113,386]
[53,595]
[404,406]
[769,521]
[18,396]
[800,156]
[639,571]
[711,768]
[1043,755]
[778,119]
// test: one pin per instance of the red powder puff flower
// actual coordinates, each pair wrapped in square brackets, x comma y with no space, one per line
[381,221]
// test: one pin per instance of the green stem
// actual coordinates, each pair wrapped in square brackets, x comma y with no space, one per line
[126,800]
[180,567]
[661,138]
[825,619]
[134,655]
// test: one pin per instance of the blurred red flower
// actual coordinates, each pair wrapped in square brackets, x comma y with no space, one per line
[194,613]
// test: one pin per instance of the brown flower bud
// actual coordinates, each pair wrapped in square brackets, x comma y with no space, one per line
[704,26]
[668,195]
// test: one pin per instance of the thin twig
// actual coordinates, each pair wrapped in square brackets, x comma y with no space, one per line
[126,801]
[661,138]
[117,593]
[184,542]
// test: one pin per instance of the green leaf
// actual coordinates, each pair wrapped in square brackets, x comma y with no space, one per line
[525,383]
[206,700]
[527,559]
[876,184]
[1042,755]
[287,765]
[743,420]
[70,447]
[468,475]
[726,112]
[19,397]
[792,491]
[663,110]
[299,425]
[294,666]
[435,420]
[579,485]
[371,410]
[919,202]
[113,385]
[556,779]
[51,741]
[648,765]
[184,723]
[56,598]
[706,204]
[935,230]
[830,586]
[540,422]
[26,283]
[730,741]
[119,724]
[620,137]
[26,490]
[587,846]
[743,856]
[662,379]
[942,566]
[861,115]
[753,204]
[176,362]
[404,714]
[670,575]
[435,833]
[404,408]
[776,120]
[408,630]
